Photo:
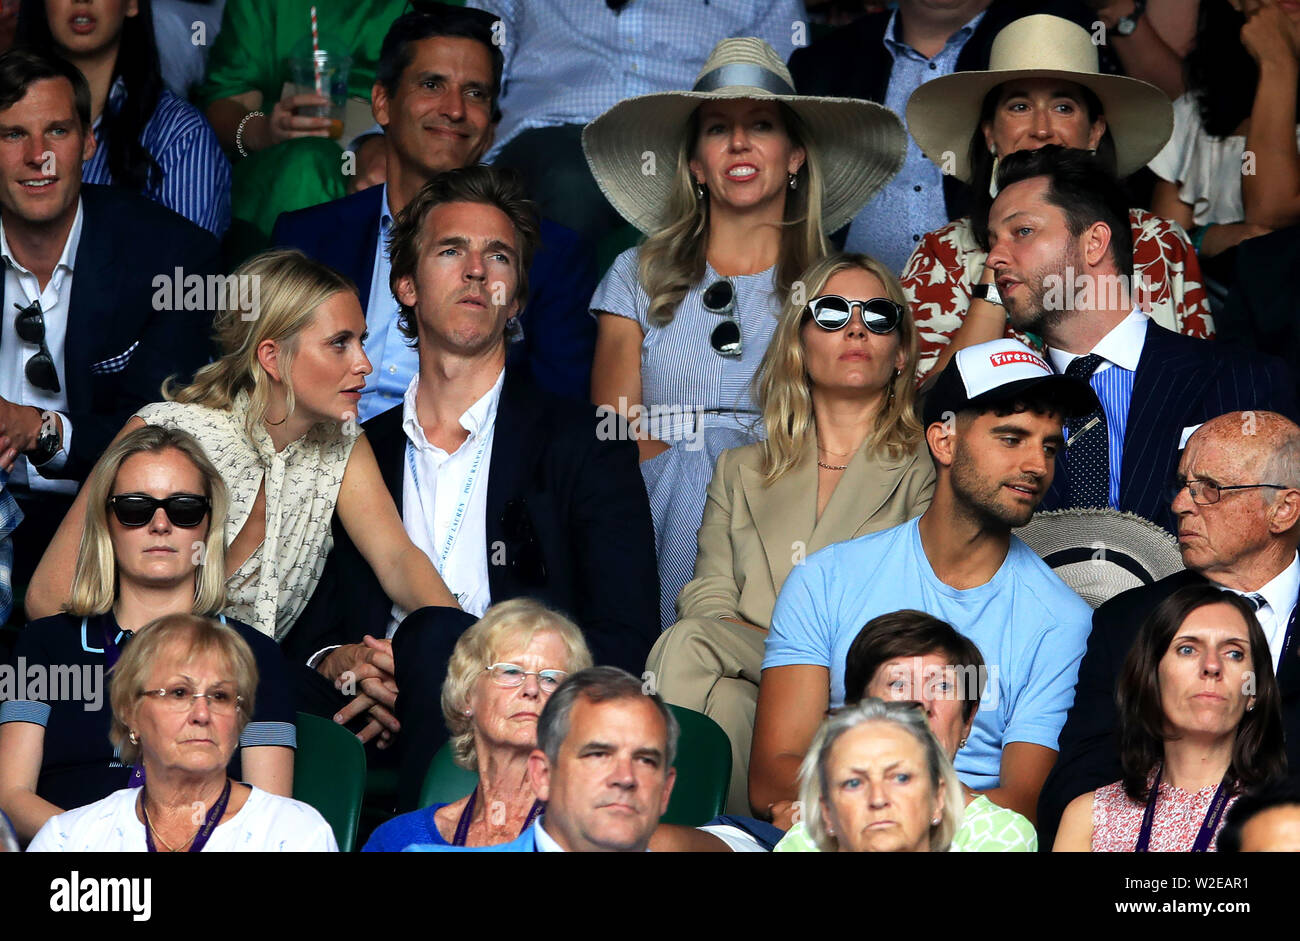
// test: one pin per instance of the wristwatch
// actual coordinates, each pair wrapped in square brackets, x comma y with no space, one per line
[47,442]
[987,292]
[1125,25]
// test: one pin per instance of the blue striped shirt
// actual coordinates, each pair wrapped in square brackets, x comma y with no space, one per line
[1113,383]
[195,172]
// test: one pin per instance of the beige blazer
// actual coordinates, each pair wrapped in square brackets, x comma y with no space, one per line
[752,536]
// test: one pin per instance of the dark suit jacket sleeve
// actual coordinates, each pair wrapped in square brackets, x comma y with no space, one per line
[1088,756]
[172,343]
[613,548]
[559,331]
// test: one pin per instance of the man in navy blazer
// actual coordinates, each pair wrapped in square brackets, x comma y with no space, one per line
[1062,250]
[1244,542]
[435,95]
[92,324]
[562,515]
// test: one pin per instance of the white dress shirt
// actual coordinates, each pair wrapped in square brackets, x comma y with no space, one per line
[21,287]
[444,500]
[1279,596]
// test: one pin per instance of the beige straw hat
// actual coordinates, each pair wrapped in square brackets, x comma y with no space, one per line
[860,144]
[943,113]
[1101,552]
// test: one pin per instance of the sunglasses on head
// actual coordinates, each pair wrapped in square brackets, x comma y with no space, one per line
[832,312]
[185,510]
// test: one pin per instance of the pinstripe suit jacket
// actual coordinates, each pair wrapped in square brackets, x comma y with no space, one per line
[1180,382]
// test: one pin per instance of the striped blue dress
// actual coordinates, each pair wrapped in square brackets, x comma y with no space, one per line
[195,172]
[698,401]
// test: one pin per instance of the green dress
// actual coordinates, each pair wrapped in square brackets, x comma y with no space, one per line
[985,828]
[250,53]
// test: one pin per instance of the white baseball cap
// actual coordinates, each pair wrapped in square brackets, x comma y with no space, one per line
[1002,371]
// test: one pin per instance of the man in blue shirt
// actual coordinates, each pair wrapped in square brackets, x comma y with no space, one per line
[993,424]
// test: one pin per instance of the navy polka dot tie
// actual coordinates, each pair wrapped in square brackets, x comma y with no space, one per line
[1088,460]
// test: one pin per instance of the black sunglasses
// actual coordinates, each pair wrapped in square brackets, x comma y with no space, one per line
[832,312]
[720,298]
[29,324]
[185,510]
[526,559]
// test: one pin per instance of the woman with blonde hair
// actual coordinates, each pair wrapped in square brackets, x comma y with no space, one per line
[876,780]
[277,415]
[844,457]
[501,673]
[735,184]
[153,545]
[180,697]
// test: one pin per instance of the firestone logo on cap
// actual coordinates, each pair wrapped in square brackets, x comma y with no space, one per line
[1006,359]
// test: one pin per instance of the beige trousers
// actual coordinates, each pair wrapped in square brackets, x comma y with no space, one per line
[713,667]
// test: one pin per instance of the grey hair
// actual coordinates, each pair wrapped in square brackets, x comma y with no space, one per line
[814,785]
[597,684]
[1282,465]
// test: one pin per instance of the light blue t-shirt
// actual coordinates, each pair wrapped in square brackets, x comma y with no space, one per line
[1030,627]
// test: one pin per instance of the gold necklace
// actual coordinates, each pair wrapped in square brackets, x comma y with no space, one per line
[834,467]
[158,836]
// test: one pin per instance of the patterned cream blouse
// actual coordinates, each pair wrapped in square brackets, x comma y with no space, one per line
[273,585]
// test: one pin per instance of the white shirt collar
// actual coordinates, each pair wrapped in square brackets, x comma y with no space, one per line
[66,260]
[1281,591]
[476,419]
[544,841]
[1122,346]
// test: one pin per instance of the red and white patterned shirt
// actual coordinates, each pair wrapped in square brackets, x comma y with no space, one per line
[1117,818]
[938,278]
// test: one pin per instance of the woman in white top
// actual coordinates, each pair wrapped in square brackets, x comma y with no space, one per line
[181,694]
[1231,169]
[277,416]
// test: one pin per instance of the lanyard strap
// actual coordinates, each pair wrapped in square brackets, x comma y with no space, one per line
[458,517]
[467,815]
[1209,826]
[210,821]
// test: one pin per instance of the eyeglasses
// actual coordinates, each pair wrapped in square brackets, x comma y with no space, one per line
[720,298]
[29,324]
[185,510]
[511,675]
[182,697]
[832,312]
[1207,492]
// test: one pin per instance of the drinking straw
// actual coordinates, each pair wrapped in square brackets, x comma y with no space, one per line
[315,53]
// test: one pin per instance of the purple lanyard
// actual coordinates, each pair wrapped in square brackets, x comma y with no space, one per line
[466,815]
[205,832]
[111,654]
[1209,826]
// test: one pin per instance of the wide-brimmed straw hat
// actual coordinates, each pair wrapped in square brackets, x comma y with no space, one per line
[1102,552]
[860,144]
[943,113]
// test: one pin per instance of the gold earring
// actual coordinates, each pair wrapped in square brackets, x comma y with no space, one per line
[135,740]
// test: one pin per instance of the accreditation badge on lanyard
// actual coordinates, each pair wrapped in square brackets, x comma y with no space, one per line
[442,550]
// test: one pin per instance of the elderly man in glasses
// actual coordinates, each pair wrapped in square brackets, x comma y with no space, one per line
[1236,498]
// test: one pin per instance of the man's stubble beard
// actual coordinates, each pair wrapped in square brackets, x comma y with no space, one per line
[977,498]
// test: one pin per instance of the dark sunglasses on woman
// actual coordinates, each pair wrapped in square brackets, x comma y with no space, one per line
[832,312]
[185,510]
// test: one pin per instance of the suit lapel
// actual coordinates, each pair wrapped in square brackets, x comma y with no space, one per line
[782,513]
[1169,379]
[91,303]
[388,441]
[861,492]
[369,244]
[517,439]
